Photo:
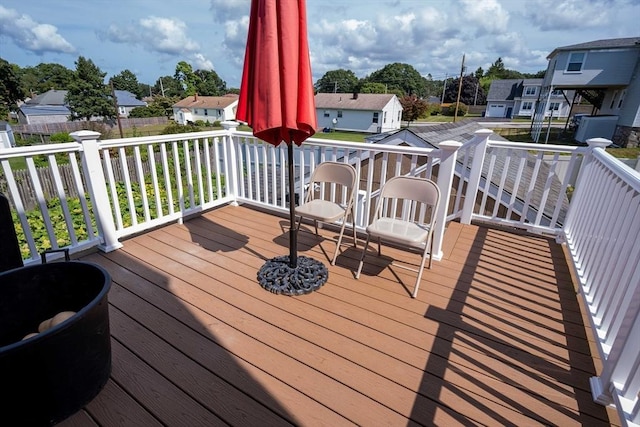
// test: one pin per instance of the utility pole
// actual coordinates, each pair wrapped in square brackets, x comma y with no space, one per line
[335,87]
[161,87]
[444,86]
[455,115]
[475,98]
[115,104]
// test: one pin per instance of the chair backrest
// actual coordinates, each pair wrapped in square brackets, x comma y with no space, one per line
[333,172]
[399,193]
[9,246]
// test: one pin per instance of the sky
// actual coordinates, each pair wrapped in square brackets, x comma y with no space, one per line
[149,37]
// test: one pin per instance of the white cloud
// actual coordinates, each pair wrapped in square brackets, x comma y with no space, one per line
[486,16]
[31,35]
[566,15]
[163,35]
[229,10]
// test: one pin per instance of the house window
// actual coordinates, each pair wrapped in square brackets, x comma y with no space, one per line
[326,113]
[122,110]
[576,60]
[556,92]
[624,92]
[554,106]
[530,90]
[375,117]
[206,112]
[399,115]
[384,117]
[339,114]
[527,105]
[613,99]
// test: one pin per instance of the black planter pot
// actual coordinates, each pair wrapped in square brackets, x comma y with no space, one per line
[52,375]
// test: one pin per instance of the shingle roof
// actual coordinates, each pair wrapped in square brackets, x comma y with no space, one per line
[127,99]
[50,97]
[199,101]
[600,44]
[56,97]
[509,89]
[349,101]
[44,110]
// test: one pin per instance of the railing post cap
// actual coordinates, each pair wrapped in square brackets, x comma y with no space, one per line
[84,135]
[229,125]
[599,142]
[450,145]
[483,131]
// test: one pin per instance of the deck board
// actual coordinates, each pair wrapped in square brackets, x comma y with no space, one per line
[496,335]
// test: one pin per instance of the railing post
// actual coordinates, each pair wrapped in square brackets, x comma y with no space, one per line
[446,171]
[232,163]
[475,175]
[97,187]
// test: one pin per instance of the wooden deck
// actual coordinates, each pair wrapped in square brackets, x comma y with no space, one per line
[495,337]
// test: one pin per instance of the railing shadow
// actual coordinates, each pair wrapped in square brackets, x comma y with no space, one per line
[481,329]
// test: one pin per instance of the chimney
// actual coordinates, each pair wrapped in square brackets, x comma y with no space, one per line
[355,95]
[195,96]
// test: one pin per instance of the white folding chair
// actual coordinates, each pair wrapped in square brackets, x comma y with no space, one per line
[405,216]
[324,200]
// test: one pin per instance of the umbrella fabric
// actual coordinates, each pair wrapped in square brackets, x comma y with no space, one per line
[276,92]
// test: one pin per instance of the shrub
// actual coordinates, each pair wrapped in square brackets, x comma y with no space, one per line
[200,123]
[60,137]
[174,127]
[451,110]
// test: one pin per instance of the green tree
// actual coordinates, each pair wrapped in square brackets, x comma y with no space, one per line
[402,77]
[43,77]
[163,105]
[432,87]
[412,108]
[186,77]
[87,95]
[337,81]
[168,86]
[208,83]
[371,87]
[10,92]
[471,91]
[128,81]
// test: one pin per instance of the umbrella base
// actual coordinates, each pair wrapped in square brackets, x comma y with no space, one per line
[278,277]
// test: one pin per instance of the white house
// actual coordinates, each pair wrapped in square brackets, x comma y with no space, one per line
[518,98]
[359,112]
[206,108]
[607,74]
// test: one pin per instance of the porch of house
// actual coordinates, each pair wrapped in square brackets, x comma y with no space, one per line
[495,337]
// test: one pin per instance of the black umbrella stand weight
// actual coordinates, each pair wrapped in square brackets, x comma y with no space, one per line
[292,274]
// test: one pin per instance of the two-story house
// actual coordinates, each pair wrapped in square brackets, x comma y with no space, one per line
[607,74]
[358,112]
[518,98]
[206,108]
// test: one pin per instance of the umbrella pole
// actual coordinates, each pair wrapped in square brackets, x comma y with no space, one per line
[293,243]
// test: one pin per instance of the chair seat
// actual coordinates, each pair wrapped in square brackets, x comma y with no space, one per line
[322,210]
[399,231]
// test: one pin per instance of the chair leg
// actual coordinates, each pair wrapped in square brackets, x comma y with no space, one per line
[335,255]
[364,252]
[424,258]
[353,222]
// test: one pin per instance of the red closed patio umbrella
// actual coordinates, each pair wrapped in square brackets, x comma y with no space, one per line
[277,101]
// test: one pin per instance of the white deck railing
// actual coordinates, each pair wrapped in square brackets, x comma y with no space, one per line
[114,188]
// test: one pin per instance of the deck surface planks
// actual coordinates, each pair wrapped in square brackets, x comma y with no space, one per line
[496,335]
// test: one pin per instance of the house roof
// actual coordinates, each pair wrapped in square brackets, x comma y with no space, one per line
[127,99]
[199,101]
[600,44]
[509,89]
[349,101]
[56,97]
[44,110]
[50,97]
[433,135]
